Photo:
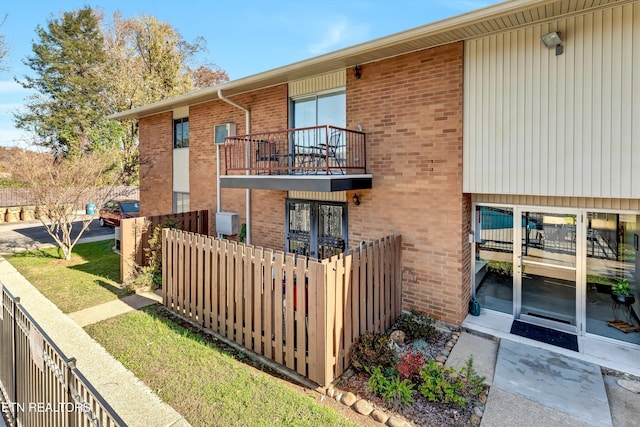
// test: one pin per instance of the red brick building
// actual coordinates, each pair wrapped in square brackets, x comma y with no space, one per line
[448,134]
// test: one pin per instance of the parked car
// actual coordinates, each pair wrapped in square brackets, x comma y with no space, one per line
[115,210]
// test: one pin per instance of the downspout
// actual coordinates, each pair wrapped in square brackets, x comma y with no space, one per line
[247,126]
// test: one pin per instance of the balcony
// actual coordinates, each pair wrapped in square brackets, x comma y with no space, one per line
[320,158]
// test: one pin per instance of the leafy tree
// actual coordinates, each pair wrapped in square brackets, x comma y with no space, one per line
[58,184]
[204,77]
[149,61]
[68,111]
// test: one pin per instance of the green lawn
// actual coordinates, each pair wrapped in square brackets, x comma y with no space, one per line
[90,278]
[204,384]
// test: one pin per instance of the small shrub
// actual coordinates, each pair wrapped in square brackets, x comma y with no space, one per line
[409,365]
[393,389]
[474,380]
[441,384]
[372,349]
[417,326]
[150,275]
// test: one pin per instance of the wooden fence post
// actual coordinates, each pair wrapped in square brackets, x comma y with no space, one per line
[131,253]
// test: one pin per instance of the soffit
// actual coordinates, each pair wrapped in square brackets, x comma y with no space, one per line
[494,19]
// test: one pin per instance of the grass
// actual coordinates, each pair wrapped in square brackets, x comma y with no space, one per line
[208,386]
[91,277]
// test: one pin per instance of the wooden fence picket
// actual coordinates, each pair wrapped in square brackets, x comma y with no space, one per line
[299,312]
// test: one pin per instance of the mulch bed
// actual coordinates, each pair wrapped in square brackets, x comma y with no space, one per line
[421,412]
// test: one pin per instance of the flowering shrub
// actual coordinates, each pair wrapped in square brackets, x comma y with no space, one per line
[409,365]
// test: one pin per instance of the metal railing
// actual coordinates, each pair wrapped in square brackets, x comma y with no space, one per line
[319,150]
[41,386]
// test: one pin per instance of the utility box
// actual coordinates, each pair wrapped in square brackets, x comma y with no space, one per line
[227,223]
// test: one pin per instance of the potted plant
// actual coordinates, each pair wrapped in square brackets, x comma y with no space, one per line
[621,292]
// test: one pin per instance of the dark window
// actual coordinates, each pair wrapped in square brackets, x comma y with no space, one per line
[181,133]
[316,229]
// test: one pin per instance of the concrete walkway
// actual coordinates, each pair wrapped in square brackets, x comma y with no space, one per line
[110,309]
[535,386]
[134,402]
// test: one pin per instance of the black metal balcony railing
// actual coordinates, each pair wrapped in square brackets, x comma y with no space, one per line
[320,150]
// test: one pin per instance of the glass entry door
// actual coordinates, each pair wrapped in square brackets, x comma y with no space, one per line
[547,268]
[316,229]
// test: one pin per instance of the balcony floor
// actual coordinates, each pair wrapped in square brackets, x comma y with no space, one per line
[324,183]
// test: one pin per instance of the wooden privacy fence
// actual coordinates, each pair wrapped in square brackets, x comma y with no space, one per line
[23,196]
[302,313]
[39,384]
[135,234]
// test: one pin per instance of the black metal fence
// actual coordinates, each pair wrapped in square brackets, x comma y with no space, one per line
[539,231]
[40,385]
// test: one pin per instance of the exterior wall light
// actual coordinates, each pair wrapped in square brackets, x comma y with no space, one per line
[553,40]
[357,71]
[356,199]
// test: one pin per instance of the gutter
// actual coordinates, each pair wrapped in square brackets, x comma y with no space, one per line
[247,124]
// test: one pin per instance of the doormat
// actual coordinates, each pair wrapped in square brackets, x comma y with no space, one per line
[545,335]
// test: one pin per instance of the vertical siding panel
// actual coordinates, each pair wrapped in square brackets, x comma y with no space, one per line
[616,101]
[569,106]
[556,154]
[490,142]
[552,125]
[536,77]
[544,151]
[579,90]
[626,105]
[607,102]
[527,115]
[512,124]
[596,130]
[520,82]
[635,126]
[499,114]
[483,51]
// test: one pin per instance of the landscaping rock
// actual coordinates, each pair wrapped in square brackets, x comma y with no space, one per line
[446,352]
[363,407]
[441,359]
[331,392]
[348,374]
[338,397]
[483,397]
[398,337]
[379,416]
[475,420]
[396,421]
[478,412]
[632,386]
[349,398]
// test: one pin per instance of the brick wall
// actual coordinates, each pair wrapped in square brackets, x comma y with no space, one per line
[156,164]
[411,110]
[269,111]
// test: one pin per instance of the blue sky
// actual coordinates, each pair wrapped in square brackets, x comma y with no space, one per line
[243,37]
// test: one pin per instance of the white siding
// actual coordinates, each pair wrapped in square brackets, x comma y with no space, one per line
[336,196]
[569,125]
[181,170]
[318,83]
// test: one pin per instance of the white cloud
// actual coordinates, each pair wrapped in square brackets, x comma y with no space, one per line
[339,32]
[10,86]
[9,109]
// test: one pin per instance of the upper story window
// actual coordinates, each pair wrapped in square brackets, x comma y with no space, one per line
[181,133]
[320,109]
